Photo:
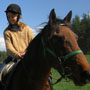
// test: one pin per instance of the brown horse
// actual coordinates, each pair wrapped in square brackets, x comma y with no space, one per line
[55,46]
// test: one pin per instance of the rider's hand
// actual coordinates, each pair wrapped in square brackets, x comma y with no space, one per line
[20,55]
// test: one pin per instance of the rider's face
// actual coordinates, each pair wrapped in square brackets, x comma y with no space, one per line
[12,18]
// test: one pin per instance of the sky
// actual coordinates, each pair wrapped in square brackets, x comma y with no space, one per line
[35,12]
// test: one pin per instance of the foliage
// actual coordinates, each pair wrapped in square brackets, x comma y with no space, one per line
[2,56]
[82,28]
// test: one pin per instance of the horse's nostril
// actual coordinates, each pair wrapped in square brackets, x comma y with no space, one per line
[68,71]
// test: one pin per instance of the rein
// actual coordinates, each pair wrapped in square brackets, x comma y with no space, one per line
[60,58]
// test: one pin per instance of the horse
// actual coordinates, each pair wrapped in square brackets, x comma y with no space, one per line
[55,47]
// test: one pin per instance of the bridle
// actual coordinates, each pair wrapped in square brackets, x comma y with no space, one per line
[60,58]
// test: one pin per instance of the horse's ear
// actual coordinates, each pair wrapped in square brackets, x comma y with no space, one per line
[52,17]
[67,19]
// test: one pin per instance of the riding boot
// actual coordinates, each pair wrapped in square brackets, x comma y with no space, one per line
[1,86]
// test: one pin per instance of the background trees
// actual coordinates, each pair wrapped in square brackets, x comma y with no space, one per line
[81,26]
[2,56]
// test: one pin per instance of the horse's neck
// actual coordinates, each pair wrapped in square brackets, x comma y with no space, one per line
[34,60]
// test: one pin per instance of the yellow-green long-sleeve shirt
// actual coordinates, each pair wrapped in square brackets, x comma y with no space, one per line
[17,41]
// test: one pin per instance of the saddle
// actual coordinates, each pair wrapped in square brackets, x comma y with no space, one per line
[6,70]
[7,73]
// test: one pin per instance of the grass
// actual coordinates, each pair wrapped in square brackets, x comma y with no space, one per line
[68,85]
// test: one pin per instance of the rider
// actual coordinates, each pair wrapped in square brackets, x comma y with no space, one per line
[17,35]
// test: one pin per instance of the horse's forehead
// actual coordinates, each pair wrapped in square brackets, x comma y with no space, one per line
[64,29]
[67,33]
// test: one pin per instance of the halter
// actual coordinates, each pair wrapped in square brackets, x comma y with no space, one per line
[60,58]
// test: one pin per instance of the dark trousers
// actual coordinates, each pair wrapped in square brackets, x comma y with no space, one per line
[7,60]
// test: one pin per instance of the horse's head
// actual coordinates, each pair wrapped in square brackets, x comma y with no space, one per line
[61,47]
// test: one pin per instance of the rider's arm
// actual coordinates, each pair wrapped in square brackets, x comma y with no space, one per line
[9,47]
[30,34]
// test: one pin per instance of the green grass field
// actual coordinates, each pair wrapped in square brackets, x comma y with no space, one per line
[68,85]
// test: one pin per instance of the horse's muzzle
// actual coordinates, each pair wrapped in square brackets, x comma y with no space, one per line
[84,79]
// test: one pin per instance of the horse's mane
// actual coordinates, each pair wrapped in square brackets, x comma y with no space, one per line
[35,43]
[58,21]
[33,46]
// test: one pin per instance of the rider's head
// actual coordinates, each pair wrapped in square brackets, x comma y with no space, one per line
[13,13]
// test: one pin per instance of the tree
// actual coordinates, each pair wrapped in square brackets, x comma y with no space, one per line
[82,28]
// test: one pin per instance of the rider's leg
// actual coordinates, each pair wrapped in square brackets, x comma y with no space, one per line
[2,65]
[8,59]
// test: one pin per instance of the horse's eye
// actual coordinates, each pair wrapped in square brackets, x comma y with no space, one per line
[56,39]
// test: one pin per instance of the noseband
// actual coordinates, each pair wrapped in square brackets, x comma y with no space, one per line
[60,58]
